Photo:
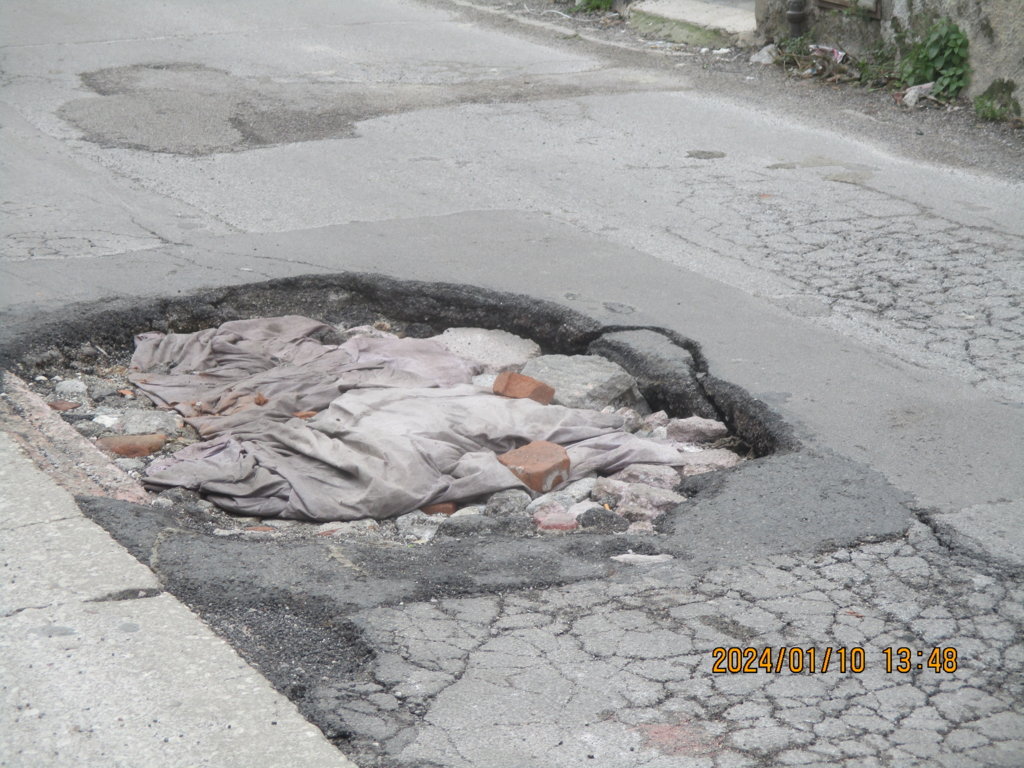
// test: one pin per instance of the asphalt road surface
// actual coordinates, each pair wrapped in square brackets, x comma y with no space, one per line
[868,289]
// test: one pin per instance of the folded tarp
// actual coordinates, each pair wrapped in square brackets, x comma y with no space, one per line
[398,423]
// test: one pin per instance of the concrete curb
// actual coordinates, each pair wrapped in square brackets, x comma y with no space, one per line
[693,22]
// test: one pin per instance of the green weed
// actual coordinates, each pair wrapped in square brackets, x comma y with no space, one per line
[940,57]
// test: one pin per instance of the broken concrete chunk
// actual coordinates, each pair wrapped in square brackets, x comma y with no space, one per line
[635,501]
[555,517]
[511,384]
[582,488]
[140,422]
[132,446]
[510,503]
[72,389]
[656,475]
[696,430]
[608,491]
[540,465]
[708,461]
[418,526]
[645,502]
[495,351]
[586,381]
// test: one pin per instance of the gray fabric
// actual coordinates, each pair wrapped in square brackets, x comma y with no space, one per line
[398,424]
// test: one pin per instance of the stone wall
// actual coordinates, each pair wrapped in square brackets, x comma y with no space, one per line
[995,29]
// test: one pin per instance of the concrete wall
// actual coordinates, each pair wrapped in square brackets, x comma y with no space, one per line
[995,29]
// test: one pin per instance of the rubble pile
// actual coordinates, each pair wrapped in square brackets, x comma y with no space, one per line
[555,493]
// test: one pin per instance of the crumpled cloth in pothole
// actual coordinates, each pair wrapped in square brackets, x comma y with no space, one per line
[398,423]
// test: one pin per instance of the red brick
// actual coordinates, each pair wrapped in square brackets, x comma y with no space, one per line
[444,508]
[132,446]
[261,528]
[509,384]
[541,465]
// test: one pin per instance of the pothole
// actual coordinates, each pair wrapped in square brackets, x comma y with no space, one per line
[294,597]
[386,435]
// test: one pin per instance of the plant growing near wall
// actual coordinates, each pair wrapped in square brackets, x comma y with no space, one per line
[940,57]
[997,102]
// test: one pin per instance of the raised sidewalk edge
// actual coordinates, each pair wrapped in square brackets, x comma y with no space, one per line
[100,667]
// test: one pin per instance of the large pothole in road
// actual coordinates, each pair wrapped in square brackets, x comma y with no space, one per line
[289,593]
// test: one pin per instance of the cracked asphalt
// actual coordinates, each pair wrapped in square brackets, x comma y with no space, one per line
[856,267]
[619,671]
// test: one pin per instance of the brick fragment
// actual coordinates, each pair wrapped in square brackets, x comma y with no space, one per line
[260,528]
[63,405]
[541,465]
[511,384]
[444,508]
[132,446]
[304,414]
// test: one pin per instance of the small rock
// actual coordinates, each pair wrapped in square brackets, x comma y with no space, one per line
[766,55]
[89,428]
[708,461]
[540,465]
[227,531]
[71,389]
[561,499]
[510,503]
[516,385]
[495,350]
[130,465]
[63,405]
[696,430]
[140,422]
[656,475]
[655,420]
[132,446]
[581,489]
[635,501]
[107,420]
[601,520]
[645,502]
[260,529]
[631,419]
[633,559]
[585,381]
[418,526]
[101,390]
[472,509]
[608,491]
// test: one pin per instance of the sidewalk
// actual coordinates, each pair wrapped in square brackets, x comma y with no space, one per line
[101,667]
